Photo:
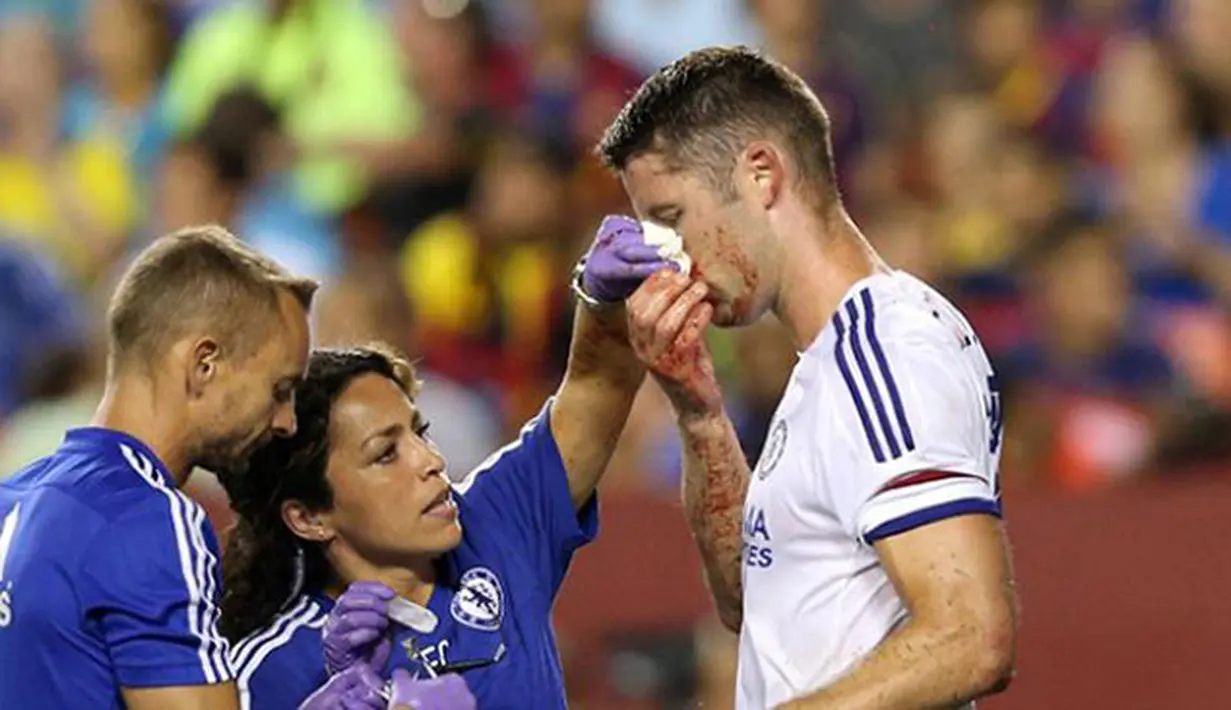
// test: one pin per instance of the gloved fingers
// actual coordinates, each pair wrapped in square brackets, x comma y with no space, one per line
[357,638]
[370,588]
[359,619]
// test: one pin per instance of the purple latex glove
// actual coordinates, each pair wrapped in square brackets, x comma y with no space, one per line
[448,692]
[356,688]
[620,260]
[355,630]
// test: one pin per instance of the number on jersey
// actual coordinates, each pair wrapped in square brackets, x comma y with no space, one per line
[995,412]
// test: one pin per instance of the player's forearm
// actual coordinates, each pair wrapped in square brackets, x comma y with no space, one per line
[594,400]
[923,665]
[715,484]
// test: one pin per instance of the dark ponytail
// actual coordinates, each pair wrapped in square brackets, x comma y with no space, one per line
[265,565]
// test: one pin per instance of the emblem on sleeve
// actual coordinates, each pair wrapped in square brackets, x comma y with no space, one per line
[479,602]
[775,444]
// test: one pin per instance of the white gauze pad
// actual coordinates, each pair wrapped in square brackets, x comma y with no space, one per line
[411,615]
[670,244]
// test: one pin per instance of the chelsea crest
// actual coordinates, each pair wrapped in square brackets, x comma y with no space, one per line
[479,602]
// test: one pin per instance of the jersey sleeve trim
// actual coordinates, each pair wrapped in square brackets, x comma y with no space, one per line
[199,567]
[252,651]
[920,477]
[919,518]
[874,391]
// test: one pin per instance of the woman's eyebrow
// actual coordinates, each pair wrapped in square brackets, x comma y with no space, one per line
[391,430]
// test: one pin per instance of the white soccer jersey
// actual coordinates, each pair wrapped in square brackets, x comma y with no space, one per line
[891,420]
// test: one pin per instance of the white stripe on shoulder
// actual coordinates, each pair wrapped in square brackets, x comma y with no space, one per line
[490,462]
[190,552]
[207,572]
[243,650]
[253,650]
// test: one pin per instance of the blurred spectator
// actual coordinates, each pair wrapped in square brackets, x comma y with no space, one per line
[1156,169]
[330,67]
[487,284]
[1035,81]
[64,15]
[560,83]
[128,45]
[446,62]
[1088,394]
[39,315]
[963,132]
[1202,29]
[76,200]
[649,33]
[793,35]
[905,235]
[233,172]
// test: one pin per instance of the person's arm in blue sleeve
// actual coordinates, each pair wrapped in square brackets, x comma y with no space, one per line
[541,487]
[577,433]
[152,583]
[593,402]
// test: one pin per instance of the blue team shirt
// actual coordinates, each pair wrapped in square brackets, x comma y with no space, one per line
[109,578]
[493,596]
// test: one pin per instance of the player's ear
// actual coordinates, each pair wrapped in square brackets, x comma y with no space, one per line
[765,171]
[204,359]
[307,524]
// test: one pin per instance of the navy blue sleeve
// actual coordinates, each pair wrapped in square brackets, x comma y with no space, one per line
[522,492]
[151,582]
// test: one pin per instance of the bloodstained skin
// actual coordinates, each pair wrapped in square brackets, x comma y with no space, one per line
[727,251]
[716,477]
[686,367]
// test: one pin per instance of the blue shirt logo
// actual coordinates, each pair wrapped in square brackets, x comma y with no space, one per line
[479,602]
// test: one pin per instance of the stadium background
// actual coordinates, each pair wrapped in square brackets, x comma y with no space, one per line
[1061,169]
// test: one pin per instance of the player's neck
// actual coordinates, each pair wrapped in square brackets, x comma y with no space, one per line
[826,258]
[130,405]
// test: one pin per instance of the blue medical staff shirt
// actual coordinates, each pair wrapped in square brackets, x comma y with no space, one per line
[493,597]
[109,578]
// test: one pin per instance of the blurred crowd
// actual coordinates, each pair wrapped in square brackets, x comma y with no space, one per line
[1061,169]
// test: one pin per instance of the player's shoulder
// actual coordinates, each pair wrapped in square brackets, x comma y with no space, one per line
[891,365]
[535,446]
[107,472]
[286,652]
[890,318]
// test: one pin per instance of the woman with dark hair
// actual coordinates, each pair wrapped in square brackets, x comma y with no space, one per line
[352,521]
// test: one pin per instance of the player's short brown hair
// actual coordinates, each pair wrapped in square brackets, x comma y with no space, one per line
[198,278]
[702,110]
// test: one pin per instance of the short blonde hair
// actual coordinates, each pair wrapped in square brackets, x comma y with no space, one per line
[198,278]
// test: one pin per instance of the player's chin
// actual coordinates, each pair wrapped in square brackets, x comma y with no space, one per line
[439,535]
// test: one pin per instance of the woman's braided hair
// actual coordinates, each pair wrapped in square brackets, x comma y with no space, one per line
[265,565]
